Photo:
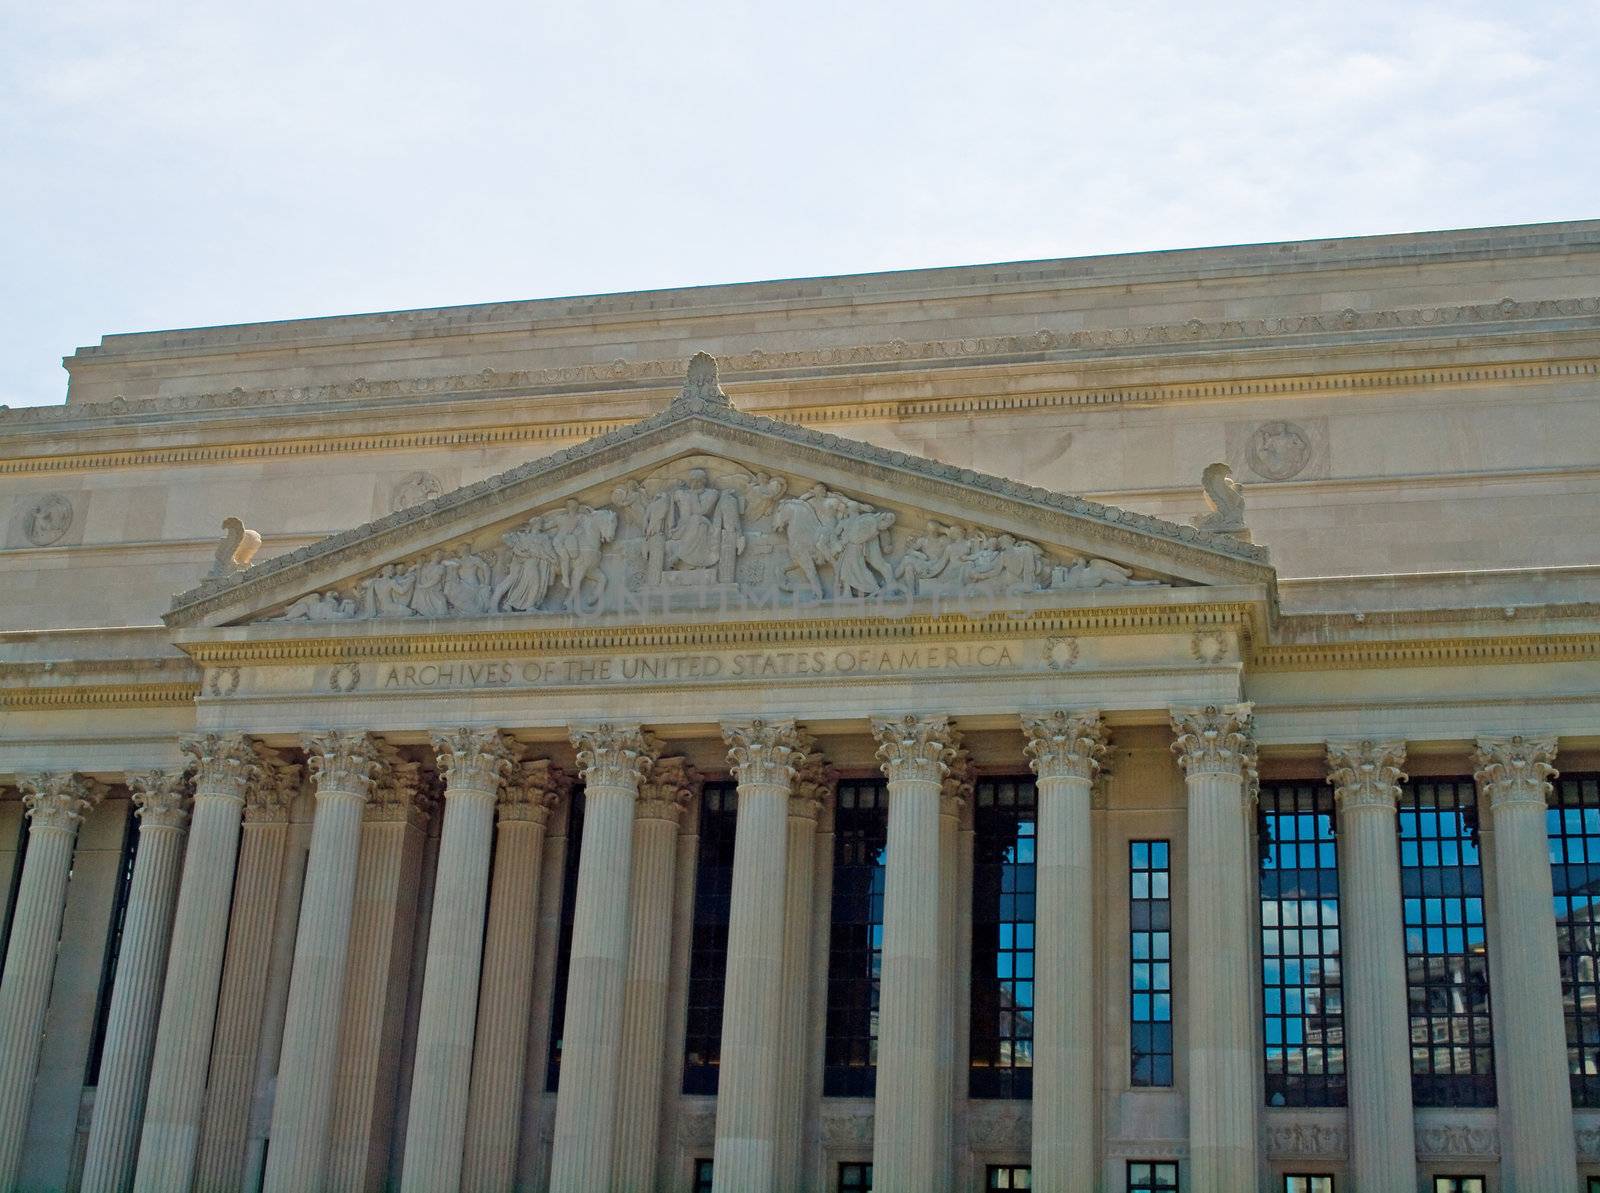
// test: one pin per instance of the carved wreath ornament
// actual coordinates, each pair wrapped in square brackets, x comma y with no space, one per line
[708,527]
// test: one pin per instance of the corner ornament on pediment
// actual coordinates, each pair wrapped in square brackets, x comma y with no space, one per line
[474,760]
[615,756]
[161,798]
[915,749]
[58,800]
[1216,740]
[1366,774]
[1515,771]
[764,753]
[1065,744]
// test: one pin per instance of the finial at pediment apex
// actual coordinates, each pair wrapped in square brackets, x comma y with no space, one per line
[700,386]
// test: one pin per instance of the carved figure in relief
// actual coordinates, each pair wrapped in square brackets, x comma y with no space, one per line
[427,596]
[1021,564]
[48,520]
[467,583]
[580,531]
[319,606]
[533,565]
[861,568]
[387,594]
[1096,573]
[1225,496]
[807,525]
[932,556]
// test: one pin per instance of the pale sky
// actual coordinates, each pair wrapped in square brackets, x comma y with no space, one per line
[167,165]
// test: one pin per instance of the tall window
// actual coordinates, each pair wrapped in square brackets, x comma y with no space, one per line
[1004,812]
[569,899]
[113,950]
[855,1178]
[1447,959]
[1301,1182]
[1458,1184]
[1008,1176]
[1146,1176]
[1301,1003]
[1150,961]
[1574,827]
[855,943]
[708,947]
[702,1176]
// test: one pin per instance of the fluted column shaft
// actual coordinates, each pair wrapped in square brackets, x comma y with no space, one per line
[55,805]
[909,1152]
[159,801]
[1383,1147]
[345,766]
[227,767]
[494,1101]
[474,765]
[660,807]
[763,755]
[1218,757]
[241,1001]
[614,760]
[811,790]
[1065,750]
[1514,776]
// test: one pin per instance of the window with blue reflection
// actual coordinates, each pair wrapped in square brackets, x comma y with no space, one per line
[855,940]
[1447,954]
[1302,1002]
[1003,883]
[1573,822]
[708,938]
[1150,962]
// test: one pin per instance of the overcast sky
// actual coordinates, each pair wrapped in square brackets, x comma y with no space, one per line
[171,166]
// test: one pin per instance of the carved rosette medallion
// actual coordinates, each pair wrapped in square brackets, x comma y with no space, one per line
[474,759]
[613,755]
[349,762]
[1278,451]
[59,800]
[533,790]
[225,765]
[1366,774]
[48,519]
[764,753]
[160,798]
[1065,744]
[671,784]
[1216,740]
[1515,771]
[913,748]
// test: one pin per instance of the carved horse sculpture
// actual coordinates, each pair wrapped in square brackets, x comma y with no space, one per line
[580,533]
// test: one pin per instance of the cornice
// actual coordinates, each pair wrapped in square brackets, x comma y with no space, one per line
[1043,345]
[139,695]
[1433,652]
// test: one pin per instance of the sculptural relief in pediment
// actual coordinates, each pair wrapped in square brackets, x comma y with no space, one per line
[701,528]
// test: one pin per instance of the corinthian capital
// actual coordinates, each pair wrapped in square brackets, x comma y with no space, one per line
[1366,774]
[814,781]
[1515,770]
[666,792]
[397,790]
[346,761]
[533,790]
[1064,744]
[59,800]
[955,789]
[160,798]
[474,759]
[764,752]
[274,790]
[1216,741]
[225,764]
[918,748]
[612,755]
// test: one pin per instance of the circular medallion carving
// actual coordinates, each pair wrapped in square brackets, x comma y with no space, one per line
[414,489]
[48,519]
[1279,451]
[345,677]
[1060,653]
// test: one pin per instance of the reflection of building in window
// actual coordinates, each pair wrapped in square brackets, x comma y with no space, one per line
[708,940]
[569,903]
[1003,818]
[1300,1182]
[1008,1176]
[1447,958]
[1150,961]
[1574,829]
[855,943]
[1301,1004]
[1145,1176]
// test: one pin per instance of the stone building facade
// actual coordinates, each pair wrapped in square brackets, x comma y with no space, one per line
[1119,724]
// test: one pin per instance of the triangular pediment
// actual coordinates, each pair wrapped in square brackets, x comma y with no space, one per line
[702,503]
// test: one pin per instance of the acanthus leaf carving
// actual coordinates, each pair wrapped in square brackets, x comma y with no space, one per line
[614,755]
[672,783]
[1216,739]
[474,759]
[1515,770]
[534,789]
[764,752]
[59,800]
[160,798]
[915,748]
[1065,744]
[1367,773]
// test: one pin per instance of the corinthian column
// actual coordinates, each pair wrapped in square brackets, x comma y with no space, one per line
[1514,776]
[227,766]
[55,805]
[809,795]
[494,1102]
[160,801]
[614,760]
[955,793]
[473,764]
[1066,750]
[1218,756]
[1366,778]
[910,1152]
[344,767]
[672,784]
[235,1048]
[763,755]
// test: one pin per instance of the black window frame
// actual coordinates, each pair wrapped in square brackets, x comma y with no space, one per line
[1308,1178]
[1155,1182]
[701,1172]
[1007,1174]
[1151,1051]
[854,1176]
[1572,829]
[1004,884]
[112,953]
[708,942]
[569,904]
[1453,1182]
[855,938]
